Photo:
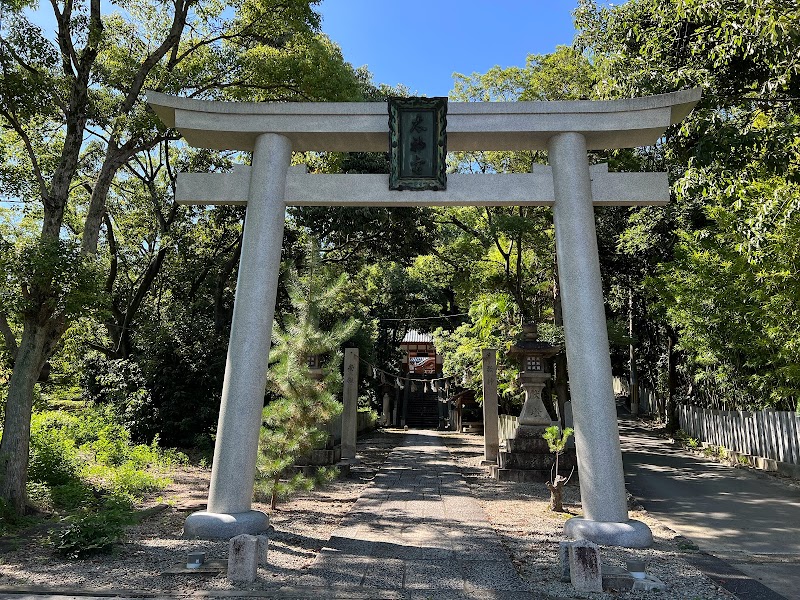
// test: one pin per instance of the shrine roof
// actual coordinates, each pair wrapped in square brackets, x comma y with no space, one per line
[417,337]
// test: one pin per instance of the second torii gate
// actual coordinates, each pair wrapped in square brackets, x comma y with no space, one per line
[567,130]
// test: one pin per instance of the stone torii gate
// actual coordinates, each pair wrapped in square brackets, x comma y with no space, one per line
[567,130]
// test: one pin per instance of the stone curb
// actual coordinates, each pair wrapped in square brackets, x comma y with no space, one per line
[732,579]
[279,592]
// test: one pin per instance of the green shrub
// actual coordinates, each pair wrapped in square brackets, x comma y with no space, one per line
[87,535]
[53,456]
[94,531]
[82,455]
[127,480]
[72,495]
[40,496]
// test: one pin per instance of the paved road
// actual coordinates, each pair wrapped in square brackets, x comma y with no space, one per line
[750,520]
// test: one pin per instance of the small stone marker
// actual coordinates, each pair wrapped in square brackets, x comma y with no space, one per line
[261,550]
[584,566]
[563,554]
[243,559]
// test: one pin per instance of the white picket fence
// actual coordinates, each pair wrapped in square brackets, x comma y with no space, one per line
[767,433]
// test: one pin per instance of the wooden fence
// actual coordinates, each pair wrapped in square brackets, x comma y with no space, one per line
[507,426]
[768,433]
[649,402]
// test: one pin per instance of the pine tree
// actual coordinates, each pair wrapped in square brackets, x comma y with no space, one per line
[291,423]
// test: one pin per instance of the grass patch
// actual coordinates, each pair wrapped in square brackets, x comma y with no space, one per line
[85,470]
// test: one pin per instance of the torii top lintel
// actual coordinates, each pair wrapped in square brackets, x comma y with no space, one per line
[362,126]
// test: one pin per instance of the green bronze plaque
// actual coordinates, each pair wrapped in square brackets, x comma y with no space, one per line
[418,143]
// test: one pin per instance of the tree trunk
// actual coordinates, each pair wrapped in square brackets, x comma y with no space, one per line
[671,409]
[15,445]
[557,493]
[273,501]
[633,380]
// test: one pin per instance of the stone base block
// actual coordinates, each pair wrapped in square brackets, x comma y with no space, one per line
[534,460]
[520,475]
[630,534]
[328,456]
[649,584]
[616,579]
[531,431]
[527,445]
[222,526]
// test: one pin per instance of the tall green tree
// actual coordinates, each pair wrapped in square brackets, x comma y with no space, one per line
[501,260]
[305,401]
[718,312]
[73,118]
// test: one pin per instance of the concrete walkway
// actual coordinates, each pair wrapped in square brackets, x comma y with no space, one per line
[416,532]
[748,519]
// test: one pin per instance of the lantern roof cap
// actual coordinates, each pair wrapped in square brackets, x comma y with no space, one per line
[528,343]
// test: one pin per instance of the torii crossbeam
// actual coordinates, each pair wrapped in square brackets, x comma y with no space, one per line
[567,130]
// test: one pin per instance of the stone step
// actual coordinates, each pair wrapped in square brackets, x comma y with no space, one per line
[525,460]
[535,460]
[323,457]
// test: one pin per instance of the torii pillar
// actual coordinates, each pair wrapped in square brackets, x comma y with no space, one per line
[567,130]
[233,471]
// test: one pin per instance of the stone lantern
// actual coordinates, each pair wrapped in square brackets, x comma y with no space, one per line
[315,367]
[526,456]
[533,356]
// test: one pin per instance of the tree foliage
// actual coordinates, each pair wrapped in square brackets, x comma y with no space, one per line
[293,421]
[721,255]
[87,158]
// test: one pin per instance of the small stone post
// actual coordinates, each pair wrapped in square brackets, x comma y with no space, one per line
[385,414]
[395,406]
[406,394]
[584,567]
[350,402]
[243,559]
[491,441]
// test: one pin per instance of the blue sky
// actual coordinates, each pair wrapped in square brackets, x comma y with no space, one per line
[421,43]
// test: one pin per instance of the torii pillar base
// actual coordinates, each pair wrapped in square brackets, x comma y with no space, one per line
[222,526]
[627,534]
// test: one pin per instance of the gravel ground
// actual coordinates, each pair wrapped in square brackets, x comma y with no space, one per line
[301,526]
[520,514]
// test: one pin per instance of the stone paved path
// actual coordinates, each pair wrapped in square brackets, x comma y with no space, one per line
[416,532]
